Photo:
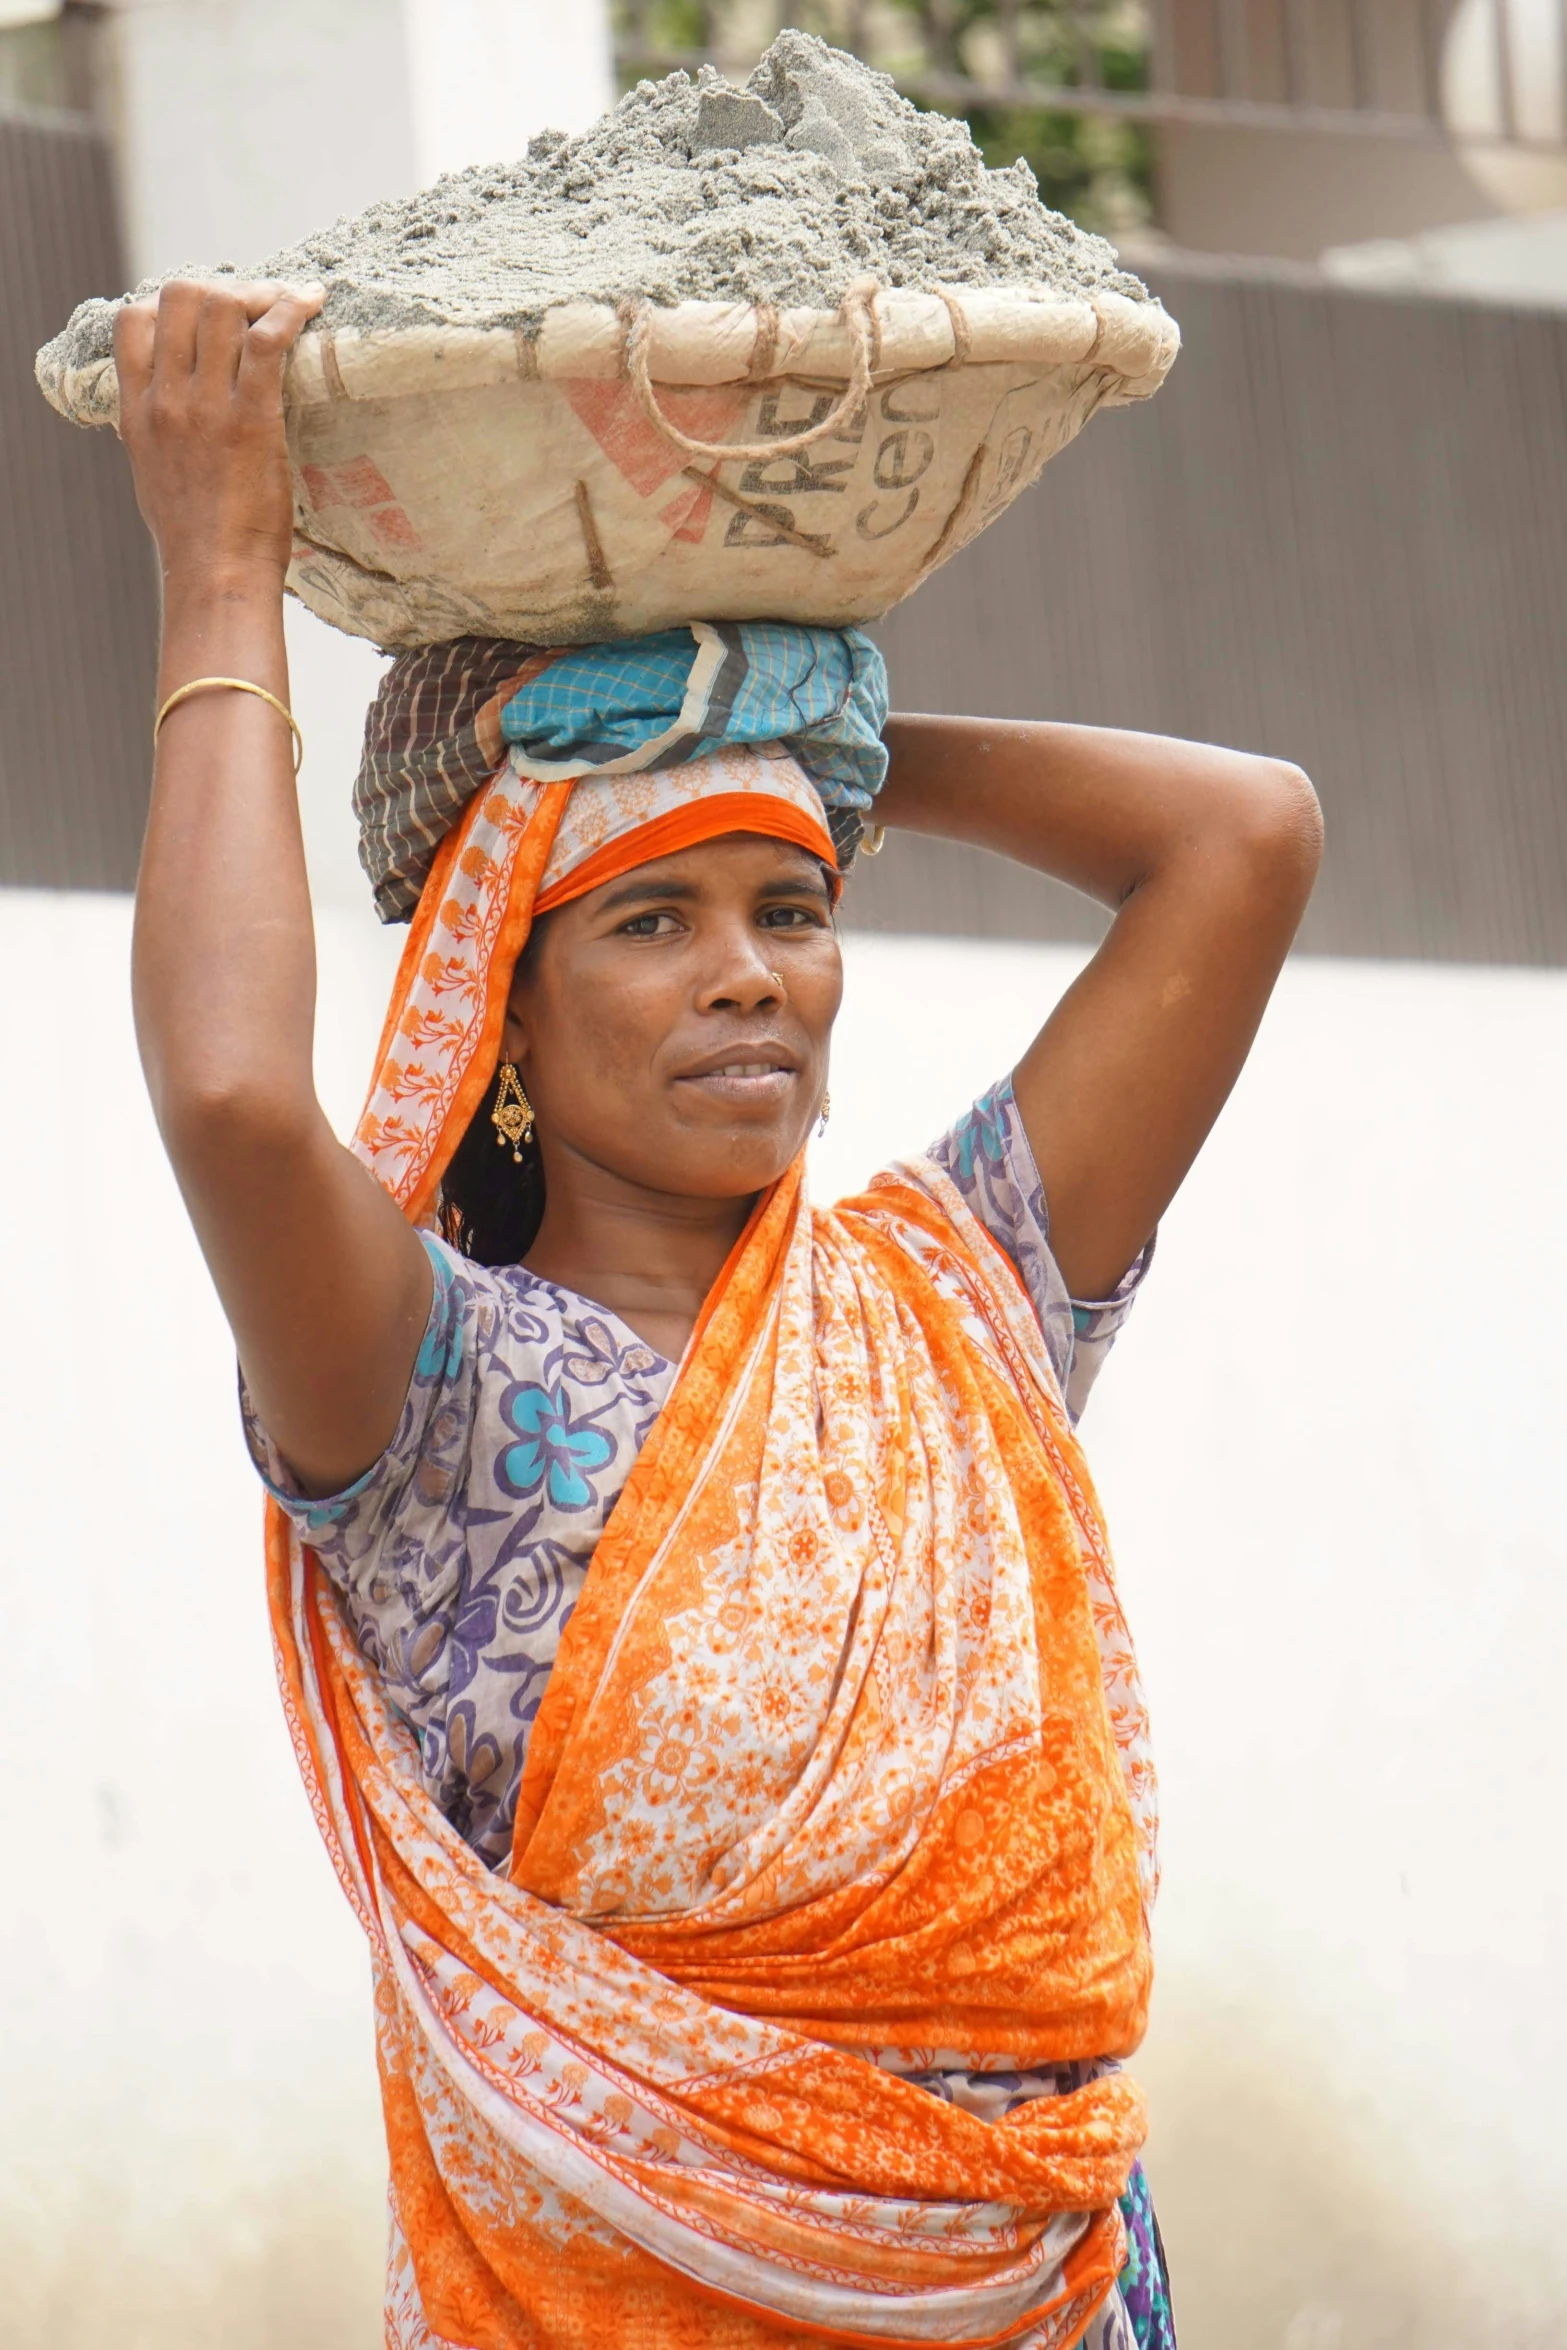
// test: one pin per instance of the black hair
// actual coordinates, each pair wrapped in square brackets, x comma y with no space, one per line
[490,1207]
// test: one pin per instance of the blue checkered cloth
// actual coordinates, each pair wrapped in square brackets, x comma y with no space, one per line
[657,701]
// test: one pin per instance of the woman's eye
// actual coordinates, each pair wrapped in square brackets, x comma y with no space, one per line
[647,925]
[791,918]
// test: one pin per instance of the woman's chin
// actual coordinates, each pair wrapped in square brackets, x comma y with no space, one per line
[729,1162]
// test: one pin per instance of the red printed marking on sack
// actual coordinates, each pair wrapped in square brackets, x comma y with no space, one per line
[636,448]
[687,517]
[361,483]
[356,483]
[393,528]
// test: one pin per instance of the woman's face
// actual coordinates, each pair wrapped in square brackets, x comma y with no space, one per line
[672,1027]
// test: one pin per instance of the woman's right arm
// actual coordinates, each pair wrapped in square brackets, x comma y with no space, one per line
[326,1286]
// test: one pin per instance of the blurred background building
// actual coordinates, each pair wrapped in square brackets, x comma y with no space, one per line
[1329,1441]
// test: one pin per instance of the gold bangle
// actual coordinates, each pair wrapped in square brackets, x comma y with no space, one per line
[873,840]
[240,685]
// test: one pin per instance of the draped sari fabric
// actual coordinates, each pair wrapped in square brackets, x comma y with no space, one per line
[843,1752]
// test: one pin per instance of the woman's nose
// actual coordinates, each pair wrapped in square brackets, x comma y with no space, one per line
[745,978]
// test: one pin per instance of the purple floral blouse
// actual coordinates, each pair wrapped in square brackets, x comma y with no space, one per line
[460,1553]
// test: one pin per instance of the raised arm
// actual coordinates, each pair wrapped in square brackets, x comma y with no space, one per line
[1208,857]
[325,1285]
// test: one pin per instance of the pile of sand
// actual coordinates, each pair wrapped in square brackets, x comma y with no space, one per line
[816,174]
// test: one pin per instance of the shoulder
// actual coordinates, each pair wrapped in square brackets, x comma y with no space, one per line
[987,1156]
[483,1330]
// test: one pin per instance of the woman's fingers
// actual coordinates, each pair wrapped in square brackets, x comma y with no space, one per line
[229,308]
[194,328]
[221,322]
[201,414]
[174,346]
[135,330]
[269,342]
[259,294]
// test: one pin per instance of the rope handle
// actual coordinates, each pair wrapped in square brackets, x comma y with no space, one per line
[858,312]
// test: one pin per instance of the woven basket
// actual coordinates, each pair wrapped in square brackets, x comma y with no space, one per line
[625,469]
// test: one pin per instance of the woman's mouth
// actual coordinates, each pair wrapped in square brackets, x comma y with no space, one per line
[753,1082]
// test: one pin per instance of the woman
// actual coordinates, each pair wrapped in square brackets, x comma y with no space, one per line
[693,1613]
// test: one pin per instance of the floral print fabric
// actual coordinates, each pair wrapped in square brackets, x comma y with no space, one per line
[988,1157]
[614,822]
[825,1762]
[1144,2287]
[460,1554]
[1137,2315]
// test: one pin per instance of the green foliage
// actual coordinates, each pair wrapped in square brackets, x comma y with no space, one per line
[1097,167]
[668,24]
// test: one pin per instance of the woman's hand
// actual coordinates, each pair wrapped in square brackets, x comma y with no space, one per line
[201,416]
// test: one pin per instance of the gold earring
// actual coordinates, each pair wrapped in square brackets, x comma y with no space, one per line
[826,1112]
[512,1116]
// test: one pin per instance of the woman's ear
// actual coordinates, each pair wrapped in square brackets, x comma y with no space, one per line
[522,996]
[519,996]
[514,1037]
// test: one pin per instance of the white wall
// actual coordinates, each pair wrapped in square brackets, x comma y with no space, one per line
[1509,260]
[242,125]
[189,2132]
[1328,1450]
[487,74]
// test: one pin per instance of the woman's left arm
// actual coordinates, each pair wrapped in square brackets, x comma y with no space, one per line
[1208,857]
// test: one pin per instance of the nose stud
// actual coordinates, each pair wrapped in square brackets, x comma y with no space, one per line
[777,979]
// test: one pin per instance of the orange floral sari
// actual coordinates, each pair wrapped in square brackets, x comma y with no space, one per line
[843,1751]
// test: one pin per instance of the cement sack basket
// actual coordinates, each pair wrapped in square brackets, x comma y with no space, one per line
[625,468]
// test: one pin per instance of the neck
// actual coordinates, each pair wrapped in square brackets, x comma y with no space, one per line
[649,1257]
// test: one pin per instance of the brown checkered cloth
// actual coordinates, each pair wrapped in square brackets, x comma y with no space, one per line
[422,761]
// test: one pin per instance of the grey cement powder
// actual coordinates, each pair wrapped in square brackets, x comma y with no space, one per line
[816,174]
